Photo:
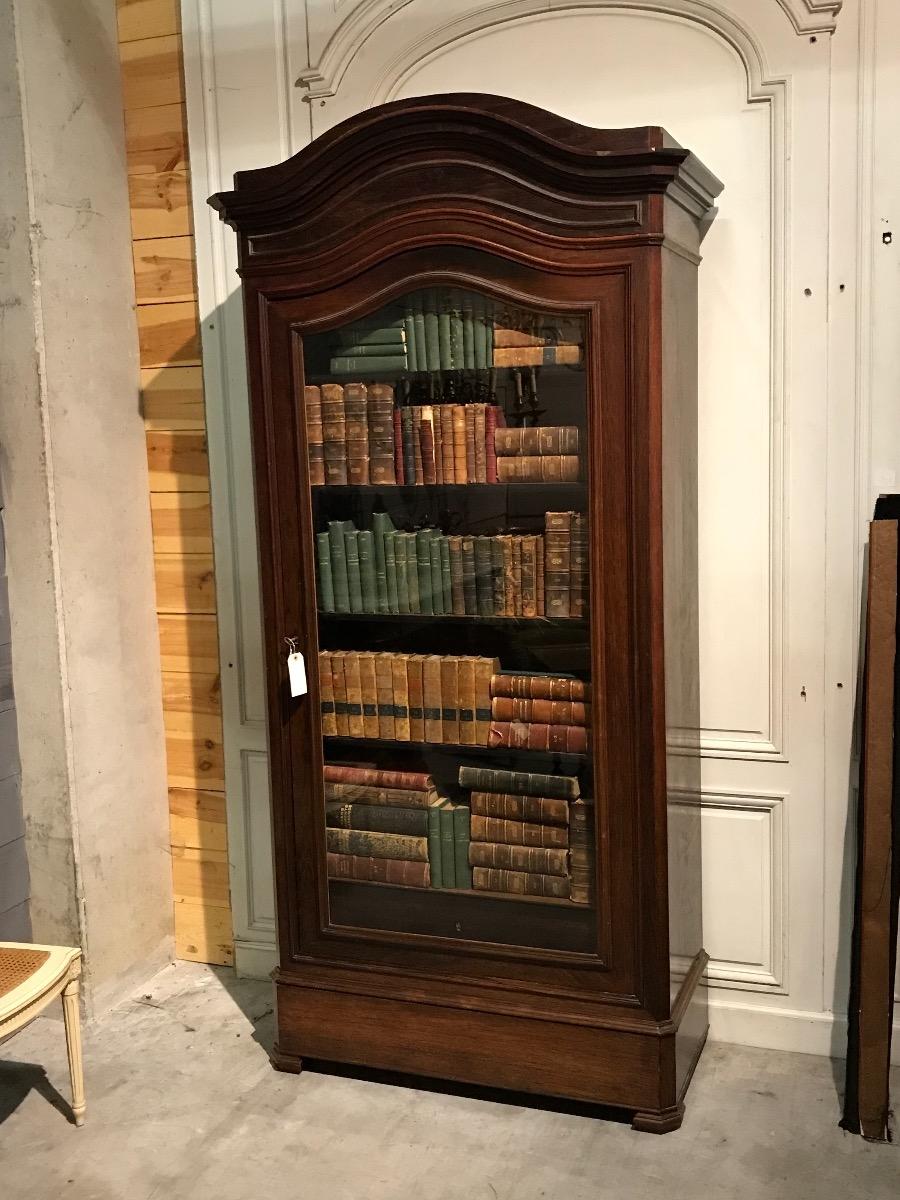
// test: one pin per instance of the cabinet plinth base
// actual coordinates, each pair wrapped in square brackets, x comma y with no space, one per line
[292,1064]
[666,1121]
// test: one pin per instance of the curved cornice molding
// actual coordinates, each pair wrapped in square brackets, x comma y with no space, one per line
[324,78]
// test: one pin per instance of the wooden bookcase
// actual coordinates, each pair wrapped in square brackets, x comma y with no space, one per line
[508,618]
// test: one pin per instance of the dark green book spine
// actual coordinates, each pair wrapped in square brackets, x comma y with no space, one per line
[457,353]
[364,333]
[497,577]
[484,580]
[343,364]
[419,326]
[378,818]
[489,341]
[390,571]
[468,563]
[381,589]
[448,849]
[444,331]
[399,540]
[480,337]
[437,582]
[412,572]
[409,445]
[446,586]
[339,565]
[519,783]
[366,543]
[457,590]
[326,584]
[409,325]
[461,847]
[354,580]
[423,565]
[468,334]
[432,337]
[434,845]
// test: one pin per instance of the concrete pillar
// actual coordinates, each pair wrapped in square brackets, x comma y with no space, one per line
[74,470]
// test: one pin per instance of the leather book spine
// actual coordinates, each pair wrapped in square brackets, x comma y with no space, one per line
[354,579]
[457,356]
[415,691]
[449,699]
[378,818]
[563,354]
[469,417]
[367,578]
[484,672]
[315,444]
[579,566]
[466,701]
[581,856]
[557,563]
[509,576]
[431,686]
[434,845]
[381,523]
[413,781]
[334,433]
[355,408]
[372,795]
[538,468]
[444,413]
[519,783]
[378,870]
[498,584]
[533,735]
[545,810]
[325,580]
[384,695]
[517,573]
[468,333]
[539,574]
[460,471]
[400,687]
[540,687]
[480,422]
[423,351]
[326,695]
[339,690]
[399,476]
[519,833]
[457,594]
[470,593]
[409,454]
[444,323]
[549,712]
[484,583]
[426,444]
[369,692]
[380,416]
[519,883]
[353,685]
[490,450]
[529,577]
[417,443]
[519,858]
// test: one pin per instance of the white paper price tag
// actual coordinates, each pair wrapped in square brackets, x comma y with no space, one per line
[297,674]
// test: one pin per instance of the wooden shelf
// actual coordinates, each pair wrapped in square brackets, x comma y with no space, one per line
[544,762]
[355,489]
[555,901]
[448,618]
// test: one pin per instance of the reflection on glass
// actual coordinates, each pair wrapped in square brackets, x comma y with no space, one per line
[447,458]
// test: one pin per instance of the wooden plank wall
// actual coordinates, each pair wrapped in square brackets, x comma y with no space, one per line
[164,276]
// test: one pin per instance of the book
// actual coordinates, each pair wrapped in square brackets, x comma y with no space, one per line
[581,858]
[518,833]
[541,332]
[367,576]
[498,584]
[460,474]
[431,687]
[326,695]
[483,569]
[315,439]
[544,810]
[457,354]
[510,596]
[354,579]
[449,670]
[395,551]
[423,571]
[381,525]
[384,695]
[414,781]
[412,572]
[480,443]
[557,563]
[437,581]
[427,444]
[537,686]
[434,845]
[470,593]
[531,735]
[369,690]
[323,562]
[519,783]
[448,848]
[457,595]
[550,712]
[409,454]
[357,427]
[461,843]
[444,322]
[469,419]
[432,336]
[344,364]
[519,883]
[401,697]
[537,439]
[399,475]
[417,443]
[466,672]
[533,859]
[378,870]
[578,578]
[376,845]
[338,554]
[491,422]
[409,329]
[538,468]
[517,574]
[372,333]
[353,686]
[446,576]
[419,327]
[339,691]
[416,694]
[377,818]
[374,795]
[485,669]
[536,356]
[444,416]
[380,415]
[334,433]
[374,349]
[529,576]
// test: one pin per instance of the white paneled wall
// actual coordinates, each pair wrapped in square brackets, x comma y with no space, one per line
[778,97]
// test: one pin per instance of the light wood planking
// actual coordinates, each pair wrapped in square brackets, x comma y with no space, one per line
[156,139]
[151,72]
[172,398]
[194,749]
[164,270]
[197,819]
[203,933]
[181,522]
[188,643]
[200,875]
[178,461]
[147,19]
[197,693]
[160,204]
[185,583]
[168,334]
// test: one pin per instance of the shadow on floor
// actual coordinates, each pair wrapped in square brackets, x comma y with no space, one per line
[17,1079]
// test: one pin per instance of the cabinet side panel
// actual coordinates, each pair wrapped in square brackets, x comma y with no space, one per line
[681,618]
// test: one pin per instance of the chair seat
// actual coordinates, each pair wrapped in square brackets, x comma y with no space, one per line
[27,972]
[16,966]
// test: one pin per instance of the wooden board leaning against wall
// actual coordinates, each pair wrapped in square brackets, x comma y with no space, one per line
[172,393]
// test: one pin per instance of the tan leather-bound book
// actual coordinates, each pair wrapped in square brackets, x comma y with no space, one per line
[369,694]
[326,695]
[549,712]
[449,699]
[480,443]
[357,424]
[509,576]
[380,412]
[517,573]
[540,687]
[467,701]
[417,443]
[557,563]
[415,688]
[545,810]
[401,697]
[538,468]
[400,872]
[315,445]
[339,689]
[536,356]
[581,858]
[519,858]
[519,883]
[376,843]
[529,576]
[445,412]
[485,670]
[384,695]
[353,685]
[334,433]
[578,577]
[431,686]
[537,439]
[541,595]
[438,444]
[460,472]
[532,735]
[518,833]
[427,444]
[469,417]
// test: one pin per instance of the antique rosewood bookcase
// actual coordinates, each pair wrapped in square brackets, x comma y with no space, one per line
[472,344]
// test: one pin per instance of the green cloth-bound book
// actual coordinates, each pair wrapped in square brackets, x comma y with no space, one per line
[468,333]
[419,327]
[354,581]
[409,325]
[375,350]
[434,844]
[480,337]
[432,337]
[336,530]
[366,544]
[423,570]
[381,524]
[484,580]
[412,572]
[444,330]
[343,364]
[371,333]
[461,846]
[448,848]
[457,352]
[399,551]
[326,584]
[437,583]
[446,584]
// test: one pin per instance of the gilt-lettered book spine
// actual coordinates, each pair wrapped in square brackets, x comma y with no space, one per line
[326,695]
[540,687]
[519,883]
[519,833]
[357,425]
[315,442]
[416,781]
[530,735]
[518,783]
[545,810]
[382,450]
[403,873]
[376,845]
[581,858]
[532,859]
[334,433]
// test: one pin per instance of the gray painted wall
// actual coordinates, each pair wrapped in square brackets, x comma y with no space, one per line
[15,925]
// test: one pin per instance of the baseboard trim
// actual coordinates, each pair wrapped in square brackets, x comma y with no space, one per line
[254,960]
[793,1030]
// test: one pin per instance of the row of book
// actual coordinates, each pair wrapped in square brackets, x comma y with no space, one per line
[450,699]
[447,331]
[386,570]
[357,435]
[516,842]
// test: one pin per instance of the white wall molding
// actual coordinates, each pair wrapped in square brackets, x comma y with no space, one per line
[813,16]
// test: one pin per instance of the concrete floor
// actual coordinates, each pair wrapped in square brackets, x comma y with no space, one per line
[182,1103]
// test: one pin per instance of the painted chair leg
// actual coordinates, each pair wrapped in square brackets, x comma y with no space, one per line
[72,1018]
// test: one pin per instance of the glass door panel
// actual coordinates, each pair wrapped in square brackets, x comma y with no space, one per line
[447,439]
